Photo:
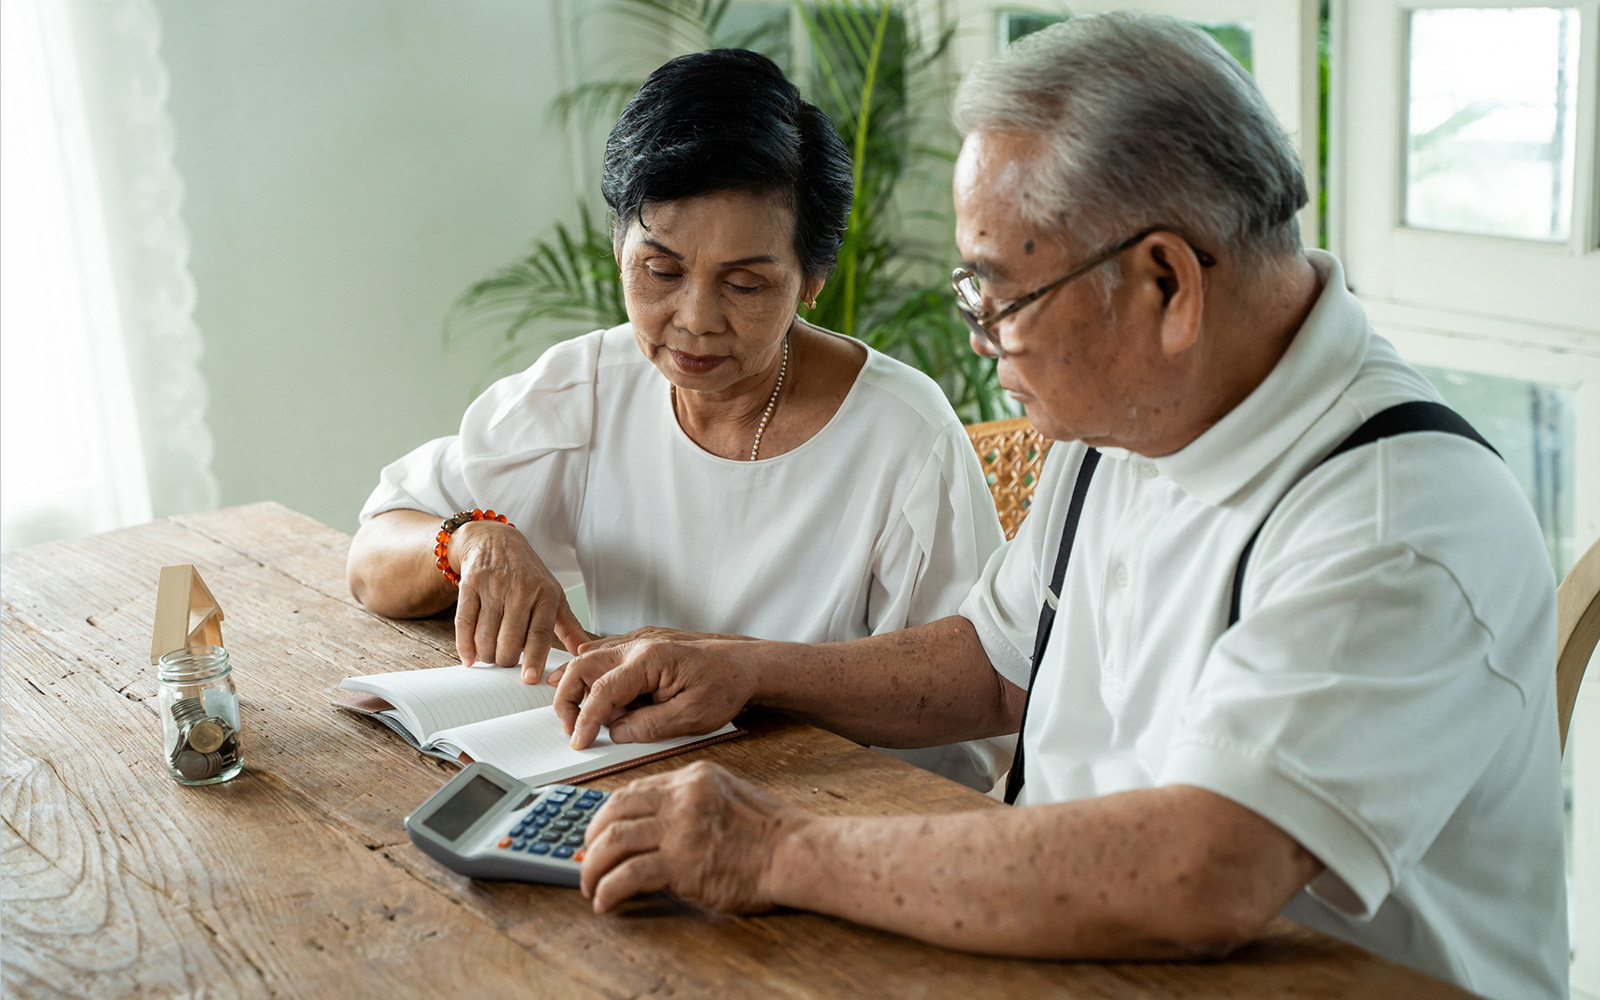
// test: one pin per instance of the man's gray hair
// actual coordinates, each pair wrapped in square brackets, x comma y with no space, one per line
[1147,122]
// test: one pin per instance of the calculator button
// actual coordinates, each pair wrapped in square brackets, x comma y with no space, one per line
[550,837]
[505,842]
[538,822]
[585,803]
[574,839]
[561,852]
[578,854]
[537,848]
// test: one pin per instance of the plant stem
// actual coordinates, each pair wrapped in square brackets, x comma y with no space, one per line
[863,121]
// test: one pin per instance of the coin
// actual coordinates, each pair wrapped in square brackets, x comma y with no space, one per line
[194,765]
[187,711]
[208,734]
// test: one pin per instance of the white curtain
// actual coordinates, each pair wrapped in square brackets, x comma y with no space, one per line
[101,402]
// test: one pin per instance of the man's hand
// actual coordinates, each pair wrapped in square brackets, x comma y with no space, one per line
[695,685]
[702,833]
[510,603]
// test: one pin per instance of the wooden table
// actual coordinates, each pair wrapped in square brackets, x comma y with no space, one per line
[296,879]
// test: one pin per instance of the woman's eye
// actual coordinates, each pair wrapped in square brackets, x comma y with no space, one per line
[739,289]
[663,275]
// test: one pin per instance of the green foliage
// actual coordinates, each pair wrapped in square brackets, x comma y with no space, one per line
[870,72]
[567,278]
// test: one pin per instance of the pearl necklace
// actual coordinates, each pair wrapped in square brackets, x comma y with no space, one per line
[772,401]
[766,414]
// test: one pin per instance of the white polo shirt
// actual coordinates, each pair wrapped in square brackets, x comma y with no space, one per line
[1387,697]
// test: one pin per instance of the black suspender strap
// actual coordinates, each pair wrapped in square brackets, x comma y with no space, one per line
[1403,418]
[1047,613]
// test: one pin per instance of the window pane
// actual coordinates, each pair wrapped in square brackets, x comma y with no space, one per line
[1492,121]
[1534,428]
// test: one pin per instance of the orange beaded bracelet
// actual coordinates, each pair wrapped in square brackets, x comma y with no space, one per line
[451,523]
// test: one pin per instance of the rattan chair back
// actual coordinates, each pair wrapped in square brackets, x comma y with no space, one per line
[1012,454]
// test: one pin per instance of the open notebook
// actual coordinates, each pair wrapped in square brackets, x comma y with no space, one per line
[466,714]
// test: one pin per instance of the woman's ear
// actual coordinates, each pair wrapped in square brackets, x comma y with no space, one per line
[810,290]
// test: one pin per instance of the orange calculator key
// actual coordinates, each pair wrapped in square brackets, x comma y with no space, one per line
[578,854]
[505,842]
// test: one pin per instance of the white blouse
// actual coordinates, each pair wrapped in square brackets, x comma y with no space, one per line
[880,521]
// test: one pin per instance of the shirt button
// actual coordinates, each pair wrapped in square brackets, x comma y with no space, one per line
[1120,575]
[1147,470]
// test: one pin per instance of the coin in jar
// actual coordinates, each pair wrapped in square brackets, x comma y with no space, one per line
[194,765]
[208,734]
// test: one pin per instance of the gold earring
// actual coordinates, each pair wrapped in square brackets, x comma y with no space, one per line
[812,304]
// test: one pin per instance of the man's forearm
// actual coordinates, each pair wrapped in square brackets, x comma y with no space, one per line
[919,687]
[1158,873]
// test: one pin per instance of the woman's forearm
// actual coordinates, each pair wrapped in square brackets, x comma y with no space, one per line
[392,569]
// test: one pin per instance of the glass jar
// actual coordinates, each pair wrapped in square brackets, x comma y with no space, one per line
[199,715]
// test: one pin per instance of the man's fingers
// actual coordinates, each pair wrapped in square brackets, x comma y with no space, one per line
[637,875]
[466,624]
[608,693]
[575,678]
[641,798]
[657,722]
[619,840]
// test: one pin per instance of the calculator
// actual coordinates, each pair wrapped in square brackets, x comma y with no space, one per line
[487,824]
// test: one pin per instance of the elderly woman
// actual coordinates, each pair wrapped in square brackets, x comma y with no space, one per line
[715,464]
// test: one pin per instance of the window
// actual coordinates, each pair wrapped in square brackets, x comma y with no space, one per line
[1492,125]
[1463,195]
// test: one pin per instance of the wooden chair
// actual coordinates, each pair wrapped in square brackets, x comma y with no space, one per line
[1011,453]
[1577,631]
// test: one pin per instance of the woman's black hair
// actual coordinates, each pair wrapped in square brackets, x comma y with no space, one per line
[729,120]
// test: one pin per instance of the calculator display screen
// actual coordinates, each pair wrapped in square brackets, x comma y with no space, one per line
[464,807]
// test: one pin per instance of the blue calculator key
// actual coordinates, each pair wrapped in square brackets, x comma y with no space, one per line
[559,797]
[584,804]
[562,852]
[538,822]
[538,848]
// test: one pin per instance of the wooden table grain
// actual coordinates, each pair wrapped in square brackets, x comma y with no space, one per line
[297,880]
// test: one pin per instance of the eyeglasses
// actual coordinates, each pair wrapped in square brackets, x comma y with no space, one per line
[969,295]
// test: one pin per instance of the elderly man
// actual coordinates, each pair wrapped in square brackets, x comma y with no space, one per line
[1278,632]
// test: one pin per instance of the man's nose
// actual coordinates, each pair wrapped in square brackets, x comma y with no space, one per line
[980,345]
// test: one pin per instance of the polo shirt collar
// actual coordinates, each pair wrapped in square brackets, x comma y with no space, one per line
[1321,362]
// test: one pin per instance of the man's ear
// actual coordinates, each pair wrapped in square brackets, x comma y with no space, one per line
[1172,268]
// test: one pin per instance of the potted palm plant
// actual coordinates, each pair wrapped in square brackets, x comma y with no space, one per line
[883,85]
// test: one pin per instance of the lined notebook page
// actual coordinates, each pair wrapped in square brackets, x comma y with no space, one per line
[443,697]
[533,747]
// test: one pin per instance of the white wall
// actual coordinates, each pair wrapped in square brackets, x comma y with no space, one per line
[349,169]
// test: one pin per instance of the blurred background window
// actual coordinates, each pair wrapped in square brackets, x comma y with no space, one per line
[1492,124]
